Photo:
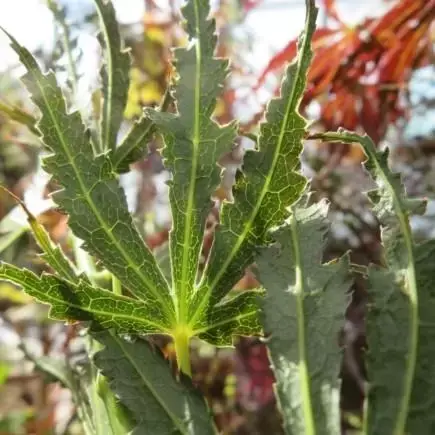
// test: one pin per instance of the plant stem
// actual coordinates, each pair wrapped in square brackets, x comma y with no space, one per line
[181,342]
[116,285]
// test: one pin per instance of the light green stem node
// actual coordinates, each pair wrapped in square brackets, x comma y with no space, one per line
[181,341]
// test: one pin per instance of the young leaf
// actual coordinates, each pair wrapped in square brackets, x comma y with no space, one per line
[193,144]
[303,312]
[268,185]
[132,146]
[86,303]
[141,378]
[92,196]
[400,327]
[114,74]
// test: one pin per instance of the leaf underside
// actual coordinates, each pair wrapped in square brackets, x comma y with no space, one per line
[114,74]
[303,312]
[193,144]
[270,182]
[81,301]
[92,196]
[400,327]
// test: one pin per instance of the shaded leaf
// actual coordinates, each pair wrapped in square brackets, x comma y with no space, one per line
[16,114]
[132,146]
[141,378]
[400,327]
[114,74]
[303,312]
[136,140]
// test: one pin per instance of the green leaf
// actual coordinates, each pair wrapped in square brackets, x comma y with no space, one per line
[132,146]
[16,114]
[4,372]
[52,254]
[141,378]
[85,303]
[136,140]
[62,372]
[68,43]
[269,183]
[91,195]
[400,326]
[303,312]
[193,144]
[114,74]
[239,316]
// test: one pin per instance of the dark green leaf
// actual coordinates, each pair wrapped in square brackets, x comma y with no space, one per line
[114,74]
[141,378]
[400,326]
[303,312]
[133,145]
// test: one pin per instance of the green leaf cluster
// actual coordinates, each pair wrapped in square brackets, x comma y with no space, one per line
[301,304]
[86,163]
[195,303]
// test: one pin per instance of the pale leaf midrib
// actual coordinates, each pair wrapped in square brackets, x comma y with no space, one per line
[299,293]
[183,298]
[93,208]
[291,105]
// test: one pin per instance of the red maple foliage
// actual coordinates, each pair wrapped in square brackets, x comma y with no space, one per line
[358,73]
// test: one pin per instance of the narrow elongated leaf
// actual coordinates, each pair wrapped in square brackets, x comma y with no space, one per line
[92,196]
[18,115]
[193,144]
[136,140]
[236,317]
[142,379]
[60,370]
[133,144]
[52,254]
[268,185]
[84,302]
[303,312]
[114,74]
[68,42]
[400,325]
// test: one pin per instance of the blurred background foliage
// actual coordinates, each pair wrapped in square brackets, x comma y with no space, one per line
[377,77]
